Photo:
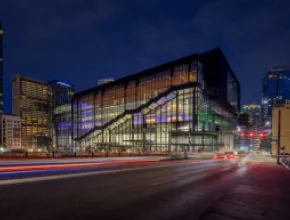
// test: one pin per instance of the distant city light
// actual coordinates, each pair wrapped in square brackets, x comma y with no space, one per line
[64,84]
[266,101]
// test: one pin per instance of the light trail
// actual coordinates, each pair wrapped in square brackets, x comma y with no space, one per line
[83,174]
[68,166]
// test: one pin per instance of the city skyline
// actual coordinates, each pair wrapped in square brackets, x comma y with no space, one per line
[102,40]
[147,109]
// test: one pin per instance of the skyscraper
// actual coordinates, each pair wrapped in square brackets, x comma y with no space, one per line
[1,70]
[254,111]
[276,90]
[31,100]
[61,93]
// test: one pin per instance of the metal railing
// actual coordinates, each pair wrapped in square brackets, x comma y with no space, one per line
[38,155]
[78,155]
[285,159]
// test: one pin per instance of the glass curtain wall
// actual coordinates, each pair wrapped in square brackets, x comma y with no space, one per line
[232,91]
[177,118]
[63,125]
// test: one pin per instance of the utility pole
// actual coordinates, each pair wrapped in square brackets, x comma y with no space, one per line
[279,120]
[279,134]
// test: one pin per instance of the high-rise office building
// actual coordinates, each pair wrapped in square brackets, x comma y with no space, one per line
[31,100]
[61,93]
[10,132]
[255,120]
[1,70]
[254,111]
[276,90]
[190,103]
[61,116]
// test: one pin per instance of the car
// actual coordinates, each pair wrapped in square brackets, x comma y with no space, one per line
[231,156]
[219,156]
[225,156]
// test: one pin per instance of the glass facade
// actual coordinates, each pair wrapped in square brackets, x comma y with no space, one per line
[62,126]
[233,91]
[61,93]
[61,116]
[164,109]
[276,90]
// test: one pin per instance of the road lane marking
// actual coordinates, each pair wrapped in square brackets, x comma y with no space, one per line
[76,175]
[169,179]
[189,178]
[188,173]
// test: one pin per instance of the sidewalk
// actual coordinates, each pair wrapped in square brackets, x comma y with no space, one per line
[263,194]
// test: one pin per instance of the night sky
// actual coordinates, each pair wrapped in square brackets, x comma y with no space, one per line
[81,41]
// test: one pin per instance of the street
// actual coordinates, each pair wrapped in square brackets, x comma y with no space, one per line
[187,189]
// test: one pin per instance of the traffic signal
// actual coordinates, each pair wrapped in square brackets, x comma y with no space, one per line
[246,135]
[251,135]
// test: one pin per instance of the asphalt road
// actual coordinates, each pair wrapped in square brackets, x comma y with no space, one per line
[159,190]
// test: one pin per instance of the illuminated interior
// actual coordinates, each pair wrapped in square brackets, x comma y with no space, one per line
[63,124]
[34,112]
[160,111]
